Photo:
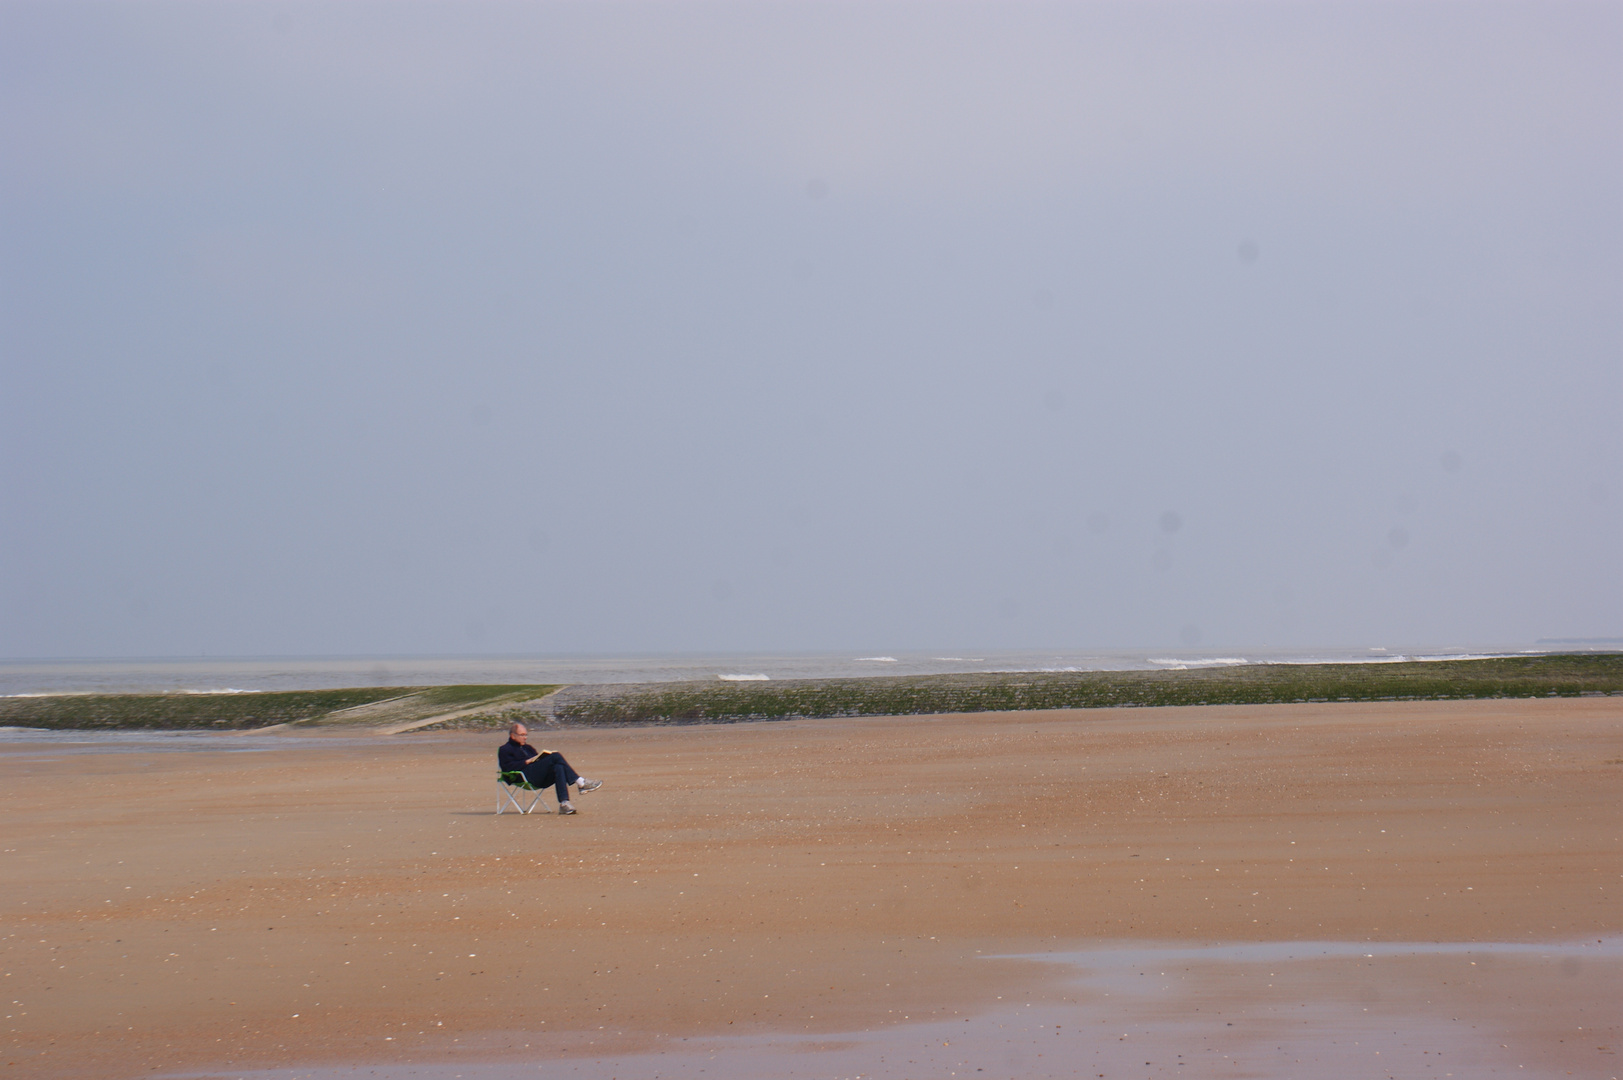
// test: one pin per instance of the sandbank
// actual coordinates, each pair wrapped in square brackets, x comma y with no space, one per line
[265,902]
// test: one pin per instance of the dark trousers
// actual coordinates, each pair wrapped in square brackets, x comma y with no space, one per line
[551,769]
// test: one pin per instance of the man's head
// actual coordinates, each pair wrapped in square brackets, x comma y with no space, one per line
[518,733]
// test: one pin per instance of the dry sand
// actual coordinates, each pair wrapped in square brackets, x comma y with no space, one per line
[352,899]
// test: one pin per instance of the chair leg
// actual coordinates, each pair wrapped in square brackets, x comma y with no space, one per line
[505,795]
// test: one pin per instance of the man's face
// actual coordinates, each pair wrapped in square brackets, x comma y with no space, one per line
[520,735]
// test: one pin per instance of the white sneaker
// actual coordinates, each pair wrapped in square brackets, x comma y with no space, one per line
[565,808]
[586,785]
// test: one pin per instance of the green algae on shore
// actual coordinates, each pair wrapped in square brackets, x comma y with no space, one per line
[482,706]
[1568,675]
[239,710]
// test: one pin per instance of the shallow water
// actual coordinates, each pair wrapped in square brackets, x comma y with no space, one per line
[20,740]
[313,673]
[1272,1010]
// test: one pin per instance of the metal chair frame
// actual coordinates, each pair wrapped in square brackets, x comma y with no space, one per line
[510,783]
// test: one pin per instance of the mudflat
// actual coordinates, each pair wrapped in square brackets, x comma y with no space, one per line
[274,902]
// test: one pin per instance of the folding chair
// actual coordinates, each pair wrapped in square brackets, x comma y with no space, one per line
[507,783]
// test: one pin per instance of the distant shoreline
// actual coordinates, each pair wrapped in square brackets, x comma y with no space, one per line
[397,709]
[266,673]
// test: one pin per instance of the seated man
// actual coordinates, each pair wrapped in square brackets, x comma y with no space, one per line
[541,767]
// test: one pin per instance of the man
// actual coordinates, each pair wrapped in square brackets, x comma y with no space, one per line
[541,767]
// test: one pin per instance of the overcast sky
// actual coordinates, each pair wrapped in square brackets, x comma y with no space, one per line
[540,327]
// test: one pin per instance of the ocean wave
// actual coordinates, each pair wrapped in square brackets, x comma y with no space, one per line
[1394,658]
[1210,661]
[1403,658]
[877,659]
[1463,656]
[744,678]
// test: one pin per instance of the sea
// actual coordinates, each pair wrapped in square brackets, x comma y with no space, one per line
[262,673]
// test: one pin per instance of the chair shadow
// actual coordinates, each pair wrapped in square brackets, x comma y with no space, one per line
[538,812]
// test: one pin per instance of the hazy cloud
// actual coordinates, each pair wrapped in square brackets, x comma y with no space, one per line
[375,328]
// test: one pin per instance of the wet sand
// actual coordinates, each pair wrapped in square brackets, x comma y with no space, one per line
[811,889]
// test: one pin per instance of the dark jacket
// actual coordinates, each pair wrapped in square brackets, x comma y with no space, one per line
[512,756]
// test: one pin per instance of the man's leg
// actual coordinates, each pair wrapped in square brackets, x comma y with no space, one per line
[546,770]
[570,775]
[576,778]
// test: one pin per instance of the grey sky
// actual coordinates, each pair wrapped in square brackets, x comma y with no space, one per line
[374,328]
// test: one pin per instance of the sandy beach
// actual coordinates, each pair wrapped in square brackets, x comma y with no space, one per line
[326,901]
